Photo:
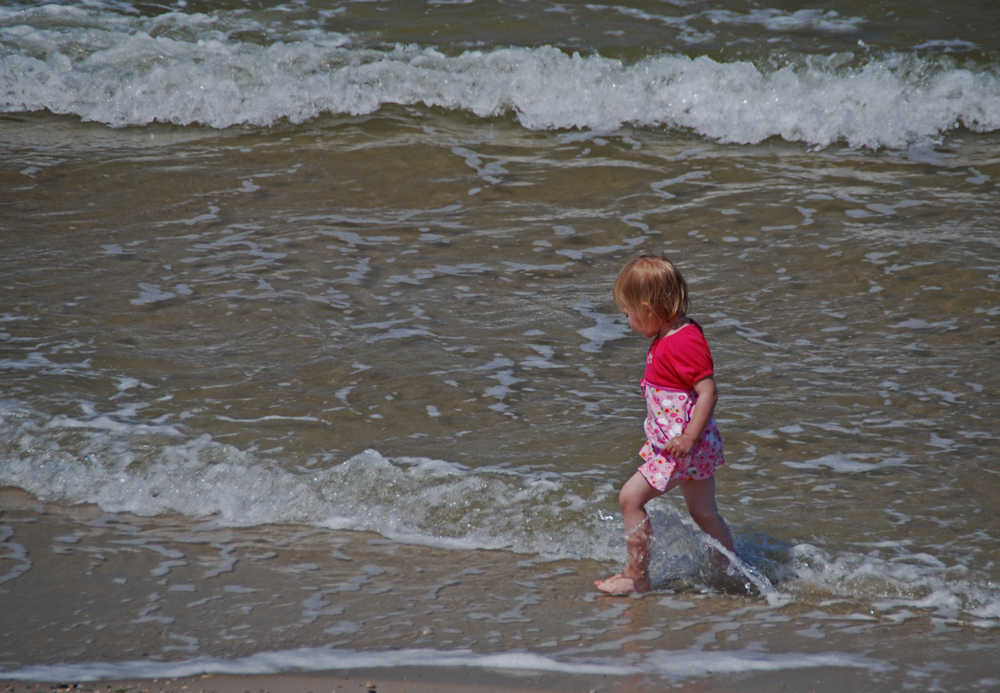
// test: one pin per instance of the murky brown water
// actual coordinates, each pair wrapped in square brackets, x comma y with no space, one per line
[217,325]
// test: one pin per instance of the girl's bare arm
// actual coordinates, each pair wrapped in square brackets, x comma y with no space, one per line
[708,395]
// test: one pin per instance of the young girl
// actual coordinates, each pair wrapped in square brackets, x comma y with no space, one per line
[683,446]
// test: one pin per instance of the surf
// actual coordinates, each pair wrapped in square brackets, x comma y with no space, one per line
[193,70]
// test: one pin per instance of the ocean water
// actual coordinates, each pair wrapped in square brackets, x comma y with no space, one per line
[339,272]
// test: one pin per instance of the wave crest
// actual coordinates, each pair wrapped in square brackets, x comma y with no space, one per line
[132,73]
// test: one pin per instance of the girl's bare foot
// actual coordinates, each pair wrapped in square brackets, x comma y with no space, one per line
[620,584]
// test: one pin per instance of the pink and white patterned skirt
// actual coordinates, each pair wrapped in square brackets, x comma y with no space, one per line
[668,412]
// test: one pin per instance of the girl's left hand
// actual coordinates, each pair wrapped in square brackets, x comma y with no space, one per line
[679,446]
[708,395]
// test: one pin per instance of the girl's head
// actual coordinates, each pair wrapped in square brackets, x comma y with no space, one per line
[651,290]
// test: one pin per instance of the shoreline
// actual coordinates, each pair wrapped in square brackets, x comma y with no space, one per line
[395,680]
[417,679]
[456,680]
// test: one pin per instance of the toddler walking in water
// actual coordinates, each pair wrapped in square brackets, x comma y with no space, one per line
[683,446]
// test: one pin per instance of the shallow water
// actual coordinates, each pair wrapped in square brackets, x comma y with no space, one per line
[124,596]
[397,319]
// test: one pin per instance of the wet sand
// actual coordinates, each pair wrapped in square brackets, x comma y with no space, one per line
[449,680]
[401,681]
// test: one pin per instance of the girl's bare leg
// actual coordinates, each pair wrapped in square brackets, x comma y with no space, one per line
[700,499]
[635,578]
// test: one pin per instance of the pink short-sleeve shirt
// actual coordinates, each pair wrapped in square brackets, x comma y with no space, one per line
[679,360]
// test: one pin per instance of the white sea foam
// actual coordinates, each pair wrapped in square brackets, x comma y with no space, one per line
[126,466]
[672,664]
[607,328]
[16,553]
[151,293]
[185,69]
[890,583]
[849,463]
[777,20]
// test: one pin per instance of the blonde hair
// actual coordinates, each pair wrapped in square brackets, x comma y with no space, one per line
[652,289]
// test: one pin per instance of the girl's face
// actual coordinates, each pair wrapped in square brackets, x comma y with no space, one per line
[647,329]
